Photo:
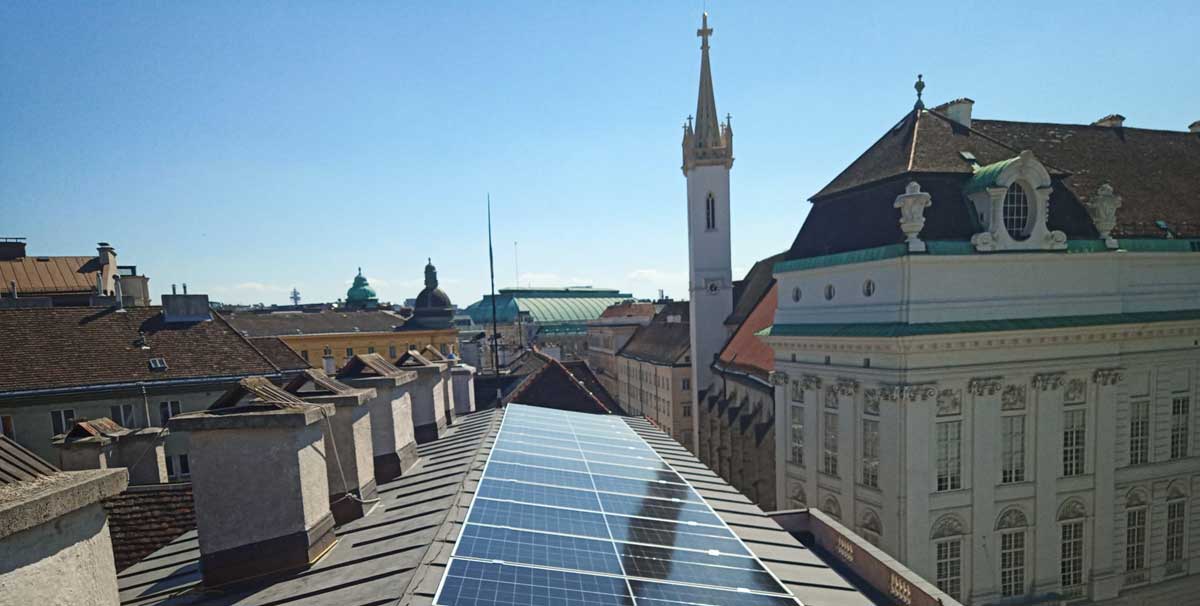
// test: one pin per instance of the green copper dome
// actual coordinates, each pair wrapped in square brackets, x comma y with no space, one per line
[361,291]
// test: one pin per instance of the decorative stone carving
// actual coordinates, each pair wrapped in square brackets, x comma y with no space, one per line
[846,387]
[1076,391]
[1071,510]
[797,497]
[949,402]
[891,393]
[870,521]
[987,191]
[831,397]
[871,401]
[810,381]
[1102,207]
[910,393]
[984,386]
[912,204]
[1048,381]
[1013,397]
[778,377]
[1012,517]
[1135,498]
[1107,376]
[948,525]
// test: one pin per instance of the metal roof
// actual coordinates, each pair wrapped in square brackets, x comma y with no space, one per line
[47,275]
[547,306]
[18,464]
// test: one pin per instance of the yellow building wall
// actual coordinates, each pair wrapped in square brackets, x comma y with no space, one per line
[390,345]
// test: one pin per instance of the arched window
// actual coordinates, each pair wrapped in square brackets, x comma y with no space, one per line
[870,528]
[1015,212]
[832,508]
[1012,526]
[948,536]
[710,212]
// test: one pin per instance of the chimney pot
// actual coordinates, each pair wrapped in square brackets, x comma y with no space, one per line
[185,288]
[12,288]
[172,289]
[1111,121]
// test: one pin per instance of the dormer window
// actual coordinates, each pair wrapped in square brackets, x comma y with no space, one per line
[1016,212]
[710,213]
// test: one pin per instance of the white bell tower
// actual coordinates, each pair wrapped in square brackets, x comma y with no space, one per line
[707,159]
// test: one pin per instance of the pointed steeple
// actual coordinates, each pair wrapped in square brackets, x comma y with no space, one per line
[709,142]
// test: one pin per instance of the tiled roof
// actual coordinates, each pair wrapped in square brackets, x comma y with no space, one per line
[398,554]
[661,341]
[50,275]
[582,371]
[75,347]
[286,323]
[145,518]
[554,385]
[279,353]
[1156,173]
[749,290]
[745,350]
[628,309]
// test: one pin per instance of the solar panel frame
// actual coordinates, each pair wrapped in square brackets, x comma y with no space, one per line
[690,579]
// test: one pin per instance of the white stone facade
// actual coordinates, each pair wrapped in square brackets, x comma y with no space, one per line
[1042,459]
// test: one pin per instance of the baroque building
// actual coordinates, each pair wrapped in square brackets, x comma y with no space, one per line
[987,348]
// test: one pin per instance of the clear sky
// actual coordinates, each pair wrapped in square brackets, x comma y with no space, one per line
[247,148]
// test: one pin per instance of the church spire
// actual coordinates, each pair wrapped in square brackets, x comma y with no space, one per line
[709,142]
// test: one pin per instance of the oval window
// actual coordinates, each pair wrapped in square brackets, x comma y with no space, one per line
[1015,212]
[829,292]
[796,294]
[868,288]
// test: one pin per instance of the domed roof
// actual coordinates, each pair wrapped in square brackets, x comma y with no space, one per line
[360,291]
[432,297]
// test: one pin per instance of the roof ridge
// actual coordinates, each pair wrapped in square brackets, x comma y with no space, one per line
[866,151]
[1089,126]
[246,339]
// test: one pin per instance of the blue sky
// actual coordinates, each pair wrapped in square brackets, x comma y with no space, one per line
[248,148]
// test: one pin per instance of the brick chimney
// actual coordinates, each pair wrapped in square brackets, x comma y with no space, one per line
[350,466]
[1111,121]
[260,487]
[392,442]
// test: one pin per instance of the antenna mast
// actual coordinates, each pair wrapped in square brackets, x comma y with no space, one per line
[492,272]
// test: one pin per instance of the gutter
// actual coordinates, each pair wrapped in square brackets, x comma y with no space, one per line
[132,384]
[741,373]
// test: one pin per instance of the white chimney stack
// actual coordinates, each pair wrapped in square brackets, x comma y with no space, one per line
[959,110]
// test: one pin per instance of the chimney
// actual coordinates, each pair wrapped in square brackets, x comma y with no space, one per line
[260,488]
[185,308]
[392,442]
[429,410]
[117,294]
[328,364]
[12,288]
[350,466]
[959,110]
[12,248]
[1111,121]
[463,376]
[1194,127]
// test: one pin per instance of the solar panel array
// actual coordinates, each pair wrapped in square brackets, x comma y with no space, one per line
[574,508]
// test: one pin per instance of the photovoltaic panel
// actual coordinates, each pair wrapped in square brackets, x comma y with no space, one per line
[578,509]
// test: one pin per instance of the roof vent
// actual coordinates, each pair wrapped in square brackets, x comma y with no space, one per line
[1111,121]
[158,364]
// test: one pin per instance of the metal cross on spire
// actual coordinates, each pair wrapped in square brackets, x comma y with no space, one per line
[704,32]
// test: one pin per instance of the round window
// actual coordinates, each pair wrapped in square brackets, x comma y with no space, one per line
[796,293]
[829,292]
[1015,212]
[868,288]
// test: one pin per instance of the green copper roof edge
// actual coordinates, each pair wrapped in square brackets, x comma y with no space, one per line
[985,176]
[900,329]
[962,247]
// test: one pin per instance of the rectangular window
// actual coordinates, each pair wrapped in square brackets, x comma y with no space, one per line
[349,352]
[1179,427]
[1073,442]
[122,414]
[6,427]
[1139,433]
[391,352]
[949,455]
[60,420]
[166,410]
[797,449]
[687,384]
[1012,564]
[1071,562]
[1012,457]
[687,410]
[949,567]
[1175,530]
[1135,539]
[370,349]
[178,468]
[870,459]
[797,392]
[304,354]
[830,457]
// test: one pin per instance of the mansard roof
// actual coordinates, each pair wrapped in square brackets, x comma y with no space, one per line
[1155,172]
